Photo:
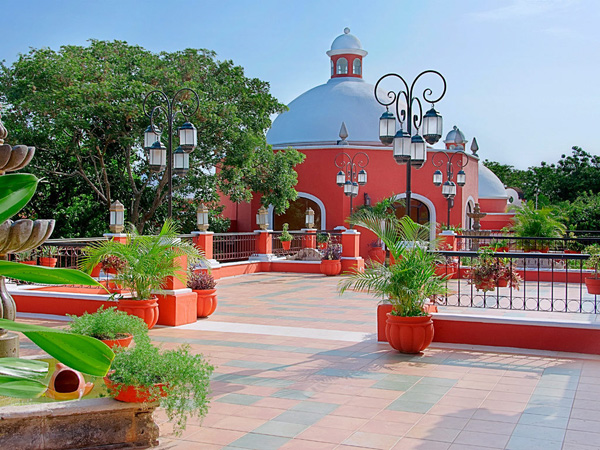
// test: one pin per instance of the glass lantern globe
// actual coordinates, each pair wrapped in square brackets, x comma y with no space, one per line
[362,177]
[340,178]
[437,178]
[181,162]
[202,217]
[432,126]
[188,137]
[449,189]
[310,218]
[461,178]
[354,191]
[157,156]
[116,220]
[387,128]
[401,146]
[348,188]
[151,135]
[418,150]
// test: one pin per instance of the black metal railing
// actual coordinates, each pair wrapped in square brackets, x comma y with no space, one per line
[230,247]
[506,242]
[552,282]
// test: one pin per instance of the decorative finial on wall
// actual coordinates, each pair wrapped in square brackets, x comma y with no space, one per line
[343,135]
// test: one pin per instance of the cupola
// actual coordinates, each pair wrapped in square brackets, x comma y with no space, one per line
[346,56]
[455,139]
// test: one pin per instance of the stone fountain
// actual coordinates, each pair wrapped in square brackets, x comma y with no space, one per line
[477,215]
[18,236]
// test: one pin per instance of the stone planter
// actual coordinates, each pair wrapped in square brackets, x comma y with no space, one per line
[120,342]
[377,254]
[48,262]
[207,302]
[147,310]
[91,423]
[409,334]
[331,267]
[593,285]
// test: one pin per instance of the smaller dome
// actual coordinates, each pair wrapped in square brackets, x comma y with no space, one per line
[346,43]
[455,136]
[490,185]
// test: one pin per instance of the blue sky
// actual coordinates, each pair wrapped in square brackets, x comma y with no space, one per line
[522,74]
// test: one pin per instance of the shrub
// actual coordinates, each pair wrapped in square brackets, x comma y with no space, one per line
[108,324]
[285,235]
[333,252]
[201,281]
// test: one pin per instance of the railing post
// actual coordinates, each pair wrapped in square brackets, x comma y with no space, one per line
[448,240]
[203,241]
[264,246]
[351,259]
[309,240]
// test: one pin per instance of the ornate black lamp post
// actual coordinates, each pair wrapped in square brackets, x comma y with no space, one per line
[350,177]
[448,186]
[410,149]
[161,157]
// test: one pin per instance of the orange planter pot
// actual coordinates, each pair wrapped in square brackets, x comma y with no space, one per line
[131,394]
[122,342]
[331,267]
[442,270]
[593,285]
[286,244]
[29,263]
[48,262]
[207,302]
[502,282]
[377,254]
[96,271]
[409,334]
[147,310]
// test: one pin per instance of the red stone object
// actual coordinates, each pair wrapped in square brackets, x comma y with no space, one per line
[207,302]
[409,334]
[147,310]
[331,267]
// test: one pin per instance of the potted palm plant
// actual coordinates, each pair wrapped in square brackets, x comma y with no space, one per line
[113,327]
[26,258]
[148,261]
[406,284]
[176,378]
[46,257]
[204,285]
[593,282]
[538,223]
[286,237]
[331,263]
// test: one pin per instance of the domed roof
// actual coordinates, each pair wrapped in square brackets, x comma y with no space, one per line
[315,117]
[455,136]
[490,185]
[346,41]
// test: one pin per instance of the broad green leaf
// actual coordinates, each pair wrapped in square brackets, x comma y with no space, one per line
[16,189]
[45,275]
[24,368]
[21,388]
[82,353]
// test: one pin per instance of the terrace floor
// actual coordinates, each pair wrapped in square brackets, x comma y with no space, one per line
[299,367]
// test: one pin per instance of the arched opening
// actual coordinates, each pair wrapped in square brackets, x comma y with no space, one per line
[295,215]
[419,212]
[332,67]
[469,221]
[342,66]
[356,69]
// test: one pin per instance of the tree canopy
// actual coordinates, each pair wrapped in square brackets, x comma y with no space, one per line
[82,108]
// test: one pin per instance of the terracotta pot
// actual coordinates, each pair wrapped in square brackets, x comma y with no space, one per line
[502,249]
[67,384]
[502,282]
[132,394]
[331,267]
[29,263]
[48,262]
[111,271]
[593,285]
[286,244]
[147,310]
[377,254]
[409,334]
[207,302]
[487,285]
[119,342]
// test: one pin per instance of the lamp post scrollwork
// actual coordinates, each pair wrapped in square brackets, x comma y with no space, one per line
[160,157]
[409,148]
[448,186]
[352,173]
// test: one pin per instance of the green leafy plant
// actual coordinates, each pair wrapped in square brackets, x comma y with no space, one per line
[184,378]
[594,260]
[285,234]
[24,256]
[408,282]
[201,281]
[488,269]
[109,324]
[47,251]
[542,223]
[573,243]
[323,238]
[149,260]
[24,378]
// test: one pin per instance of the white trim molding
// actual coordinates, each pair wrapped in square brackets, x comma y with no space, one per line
[430,207]
[308,196]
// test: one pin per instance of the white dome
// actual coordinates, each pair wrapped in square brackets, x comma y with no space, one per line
[316,116]
[455,136]
[490,185]
[346,41]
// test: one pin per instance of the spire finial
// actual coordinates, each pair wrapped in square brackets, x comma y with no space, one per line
[474,147]
[346,30]
[343,134]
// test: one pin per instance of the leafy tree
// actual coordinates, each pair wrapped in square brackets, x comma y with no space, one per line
[81,107]
[584,212]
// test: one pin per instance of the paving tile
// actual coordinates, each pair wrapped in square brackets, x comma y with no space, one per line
[326,434]
[420,444]
[488,426]
[482,439]
[583,437]
[371,440]
[526,443]
[539,432]
[259,442]
[293,394]
[315,407]
[239,399]
[284,429]
[433,433]
[410,406]
[300,417]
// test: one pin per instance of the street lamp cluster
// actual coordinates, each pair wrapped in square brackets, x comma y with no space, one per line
[160,157]
[409,148]
[448,186]
[349,177]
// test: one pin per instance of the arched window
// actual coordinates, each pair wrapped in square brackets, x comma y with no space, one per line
[419,212]
[356,67]
[296,214]
[342,66]
[332,68]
